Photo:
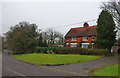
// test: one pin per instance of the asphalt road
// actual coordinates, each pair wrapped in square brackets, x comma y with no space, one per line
[86,67]
[12,67]
[0,64]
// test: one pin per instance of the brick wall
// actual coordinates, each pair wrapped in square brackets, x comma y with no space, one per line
[79,40]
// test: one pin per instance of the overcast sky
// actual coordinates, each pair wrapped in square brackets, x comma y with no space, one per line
[53,15]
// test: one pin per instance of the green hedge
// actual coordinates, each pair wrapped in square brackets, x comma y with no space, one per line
[72,50]
[45,49]
[14,53]
[82,51]
[98,51]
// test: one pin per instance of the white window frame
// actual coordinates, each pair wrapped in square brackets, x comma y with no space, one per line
[67,44]
[73,44]
[85,44]
[93,39]
[74,39]
[92,45]
[85,38]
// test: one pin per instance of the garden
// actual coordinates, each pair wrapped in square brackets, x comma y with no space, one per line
[60,55]
[54,59]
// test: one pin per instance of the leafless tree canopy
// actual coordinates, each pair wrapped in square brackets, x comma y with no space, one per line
[113,7]
[52,36]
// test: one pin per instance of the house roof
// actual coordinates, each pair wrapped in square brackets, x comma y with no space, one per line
[82,31]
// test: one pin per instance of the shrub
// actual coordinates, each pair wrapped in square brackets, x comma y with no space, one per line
[63,50]
[72,50]
[53,49]
[14,53]
[38,49]
[45,49]
[98,52]
[82,51]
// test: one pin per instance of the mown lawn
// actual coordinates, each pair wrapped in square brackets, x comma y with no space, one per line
[54,59]
[111,70]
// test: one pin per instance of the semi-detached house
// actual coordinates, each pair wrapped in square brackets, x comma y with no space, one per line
[84,37]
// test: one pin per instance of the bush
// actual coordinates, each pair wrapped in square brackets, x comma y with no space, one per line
[45,49]
[98,52]
[38,49]
[63,50]
[82,51]
[72,50]
[14,53]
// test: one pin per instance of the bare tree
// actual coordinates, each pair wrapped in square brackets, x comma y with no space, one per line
[51,36]
[113,7]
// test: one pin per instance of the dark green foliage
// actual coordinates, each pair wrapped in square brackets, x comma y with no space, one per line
[46,49]
[63,50]
[82,51]
[42,43]
[119,40]
[71,50]
[105,31]
[40,40]
[15,53]
[43,49]
[80,43]
[22,38]
[53,49]
[98,51]
[45,44]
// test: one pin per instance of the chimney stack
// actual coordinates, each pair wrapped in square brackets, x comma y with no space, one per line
[86,25]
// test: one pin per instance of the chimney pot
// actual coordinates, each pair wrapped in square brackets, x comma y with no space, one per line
[86,25]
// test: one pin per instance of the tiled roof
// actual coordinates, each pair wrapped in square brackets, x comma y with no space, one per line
[82,31]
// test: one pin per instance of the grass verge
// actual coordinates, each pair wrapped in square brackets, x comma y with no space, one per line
[54,59]
[111,70]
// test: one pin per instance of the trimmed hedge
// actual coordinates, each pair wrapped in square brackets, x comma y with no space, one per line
[71,50]
[82,51]
[15,53]
[46,49]
[98,51]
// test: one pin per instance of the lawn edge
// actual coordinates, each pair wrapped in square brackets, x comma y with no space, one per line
[55,64]
[92,71]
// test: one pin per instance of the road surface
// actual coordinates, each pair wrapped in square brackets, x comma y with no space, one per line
[0,64]
[12,67]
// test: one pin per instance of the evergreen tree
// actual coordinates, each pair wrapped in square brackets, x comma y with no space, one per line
[40,40]
[106,33]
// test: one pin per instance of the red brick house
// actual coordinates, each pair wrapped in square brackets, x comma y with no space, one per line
[84,37]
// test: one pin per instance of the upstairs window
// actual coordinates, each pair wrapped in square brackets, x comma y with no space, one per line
[67,39]
[73,39]
[93,38]
[85,38]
